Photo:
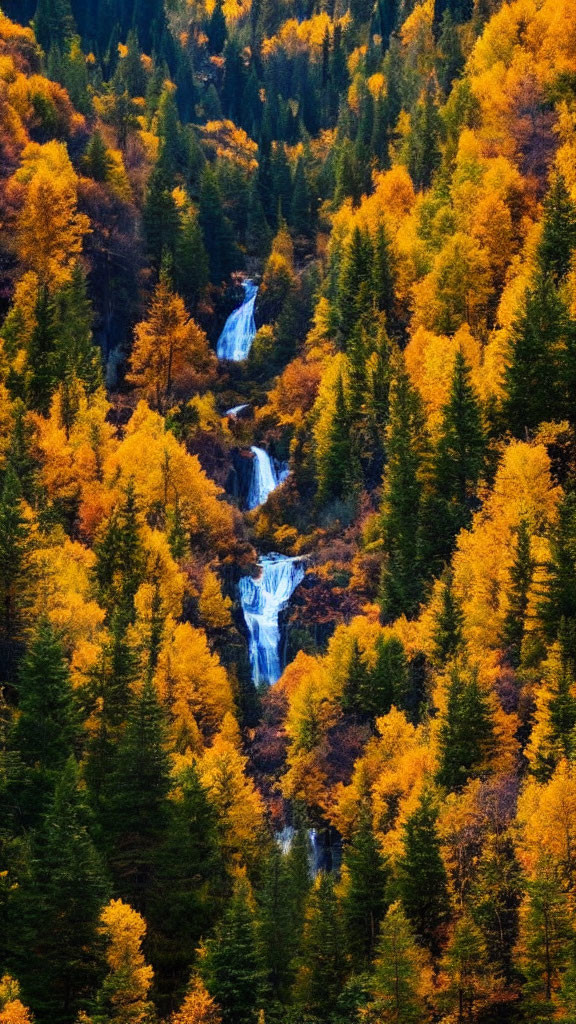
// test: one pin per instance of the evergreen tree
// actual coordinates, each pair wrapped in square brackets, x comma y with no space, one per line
[323,960]
[160,216]
[54,24]
[189,883]
[16,572]
[422,146]
[521,574]
[47,727]
[279,929]
[389,680]
[41,368]
[97,162]
[545,940]
[458,462]
[558,606]
[335,468]
[534,389]
[75,353]
[384,277]
[448,626]
[401,583]
[231,966]
[558,239]
[136,809]
[223,255]
[397,978]
[120,559]
[191,261]
[496,897]
[300,216]
[468,969]
[57,908]
[422,875]
[355,296]
[364,900]
[216,28]
[466,737]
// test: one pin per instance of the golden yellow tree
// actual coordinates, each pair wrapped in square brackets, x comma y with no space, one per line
[12,1010]
[198,1006]
[166,344]
[124,993]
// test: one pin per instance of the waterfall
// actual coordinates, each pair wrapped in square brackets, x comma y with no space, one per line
[236,409]
[266,475]
[236,339]
[262,600]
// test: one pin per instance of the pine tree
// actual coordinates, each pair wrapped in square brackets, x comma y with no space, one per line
[231,965]
[389,681]
[160,216]
[75,353]
[546,935]
[355,284]
[58,906]
[223,255]
[459,458]
[47,727]
[190,262]
[357,684]
[364,900]
[216,28]
[120,559]
[189,884]
[54,24]
[41,368]
[467,966]
[401,583]
[558,239]
[466,737]
[496,897]
[300,213]
[384,277]
[279,929]
[97,161]
[16,572]
[558,606]
[334,471]
[396,982]
[422,145]
[521,574]
[422,875]
[448,626]
[136,809]
[322,956]
[533,385]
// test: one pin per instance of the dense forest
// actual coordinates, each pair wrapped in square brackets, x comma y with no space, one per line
[287,511]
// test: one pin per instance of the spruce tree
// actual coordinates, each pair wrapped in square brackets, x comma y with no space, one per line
[533,378]
[355,284]
[97,162]
[136,809]
[54,24]
[41,366]
[231,966]
[558,605]
[558,239]
[16,571]
[160,216]
[389,680]
[216,28]
[448,635]
[459,459]
[422,876]
[396,978]
[521,574]
[322,955]
[364,901]
[223,255]
[401,582]
[300,213]
[334,471]
[46,730]
[75,352]
[466,737]
[120,559]
[58,959]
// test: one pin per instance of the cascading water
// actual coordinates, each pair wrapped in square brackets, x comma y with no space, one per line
[239,330]
[266,475]
[262,600]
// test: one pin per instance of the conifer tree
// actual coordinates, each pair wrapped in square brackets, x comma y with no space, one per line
[355,283]
[97,161]
[521,574]
[322,956]
[54,23]
[223,255]
[396,982]
[47,727]
[278,927]
[300,213]
[422,876]
[16,574]
[120,559]
[231,965]
[533,384]
[384,277]
[546,934]
[401,584]
[459,459]
[190,261]
[137,811]
[216,29]
[41,366]
[495,899]
[160,216]
[448,626]
[389,680]
[558,239]
[364,900]
[335,469]
[75,353]
[466,737]
[467,966]
[558,606]
[58,908]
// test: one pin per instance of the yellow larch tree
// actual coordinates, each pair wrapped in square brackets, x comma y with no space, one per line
[198,1007]
[124,993]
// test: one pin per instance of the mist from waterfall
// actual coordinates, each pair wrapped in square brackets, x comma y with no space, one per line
[266,475]
[262,600]
[239,330]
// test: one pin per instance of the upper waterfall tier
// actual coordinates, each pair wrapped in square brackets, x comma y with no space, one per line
[239,331]
[262,601]
[266,475]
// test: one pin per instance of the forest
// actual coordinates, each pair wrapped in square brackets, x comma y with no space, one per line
[287,511]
